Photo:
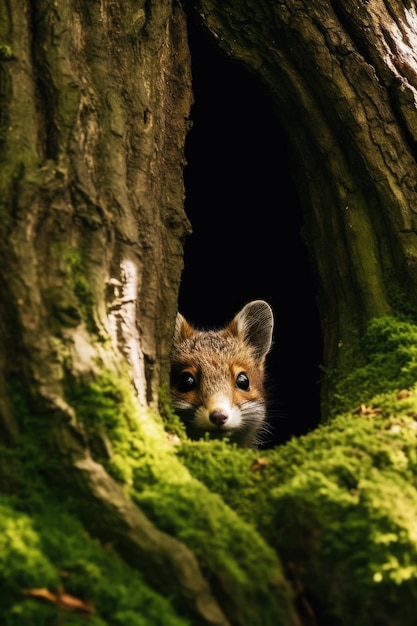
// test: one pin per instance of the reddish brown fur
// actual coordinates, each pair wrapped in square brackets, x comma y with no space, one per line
[215,359]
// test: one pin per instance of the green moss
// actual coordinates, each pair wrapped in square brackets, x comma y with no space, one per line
[399,296]
[22,563]
[339,505]
[232,554]
[22,466]
[43,545]
[384,360]
[141,450]
[236,475]
[346,513]
[5,52]
[173,422]
[49,550]
[80,286]
[322,501]
[144,459]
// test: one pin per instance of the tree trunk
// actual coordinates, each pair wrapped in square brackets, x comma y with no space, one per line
[107,510]
[94,117]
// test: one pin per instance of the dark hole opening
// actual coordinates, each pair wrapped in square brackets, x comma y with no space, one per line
[242,202]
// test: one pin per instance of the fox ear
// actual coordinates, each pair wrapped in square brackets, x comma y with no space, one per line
[182,329]
[255,323]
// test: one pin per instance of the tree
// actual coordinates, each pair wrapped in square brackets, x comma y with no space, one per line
[107,511]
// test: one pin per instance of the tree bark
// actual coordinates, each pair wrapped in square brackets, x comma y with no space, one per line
[106,507]
[95,211]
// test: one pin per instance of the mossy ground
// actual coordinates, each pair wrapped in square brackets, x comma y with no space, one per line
[338,506]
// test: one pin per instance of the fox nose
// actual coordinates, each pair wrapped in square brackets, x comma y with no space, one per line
[218,418]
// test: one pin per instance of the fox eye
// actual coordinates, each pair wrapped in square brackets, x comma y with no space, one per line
[242,381]
[186,382]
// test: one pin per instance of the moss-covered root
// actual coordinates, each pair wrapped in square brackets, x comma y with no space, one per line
[245,574]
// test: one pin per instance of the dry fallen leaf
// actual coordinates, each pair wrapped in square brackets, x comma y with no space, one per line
[60,598]
[259,463]
[368,411]
[403,393]
[173,438]
[45,594]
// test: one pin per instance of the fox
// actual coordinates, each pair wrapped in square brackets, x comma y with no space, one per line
[217,380]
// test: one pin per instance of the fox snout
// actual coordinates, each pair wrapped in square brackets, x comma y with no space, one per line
[218,418]
[220,411]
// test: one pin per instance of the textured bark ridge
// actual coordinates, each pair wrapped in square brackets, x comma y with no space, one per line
[106,503]
[95,222]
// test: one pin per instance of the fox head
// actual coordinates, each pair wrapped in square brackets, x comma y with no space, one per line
[217,376]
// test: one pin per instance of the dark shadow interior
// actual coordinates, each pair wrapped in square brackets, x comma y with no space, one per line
[246,244]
